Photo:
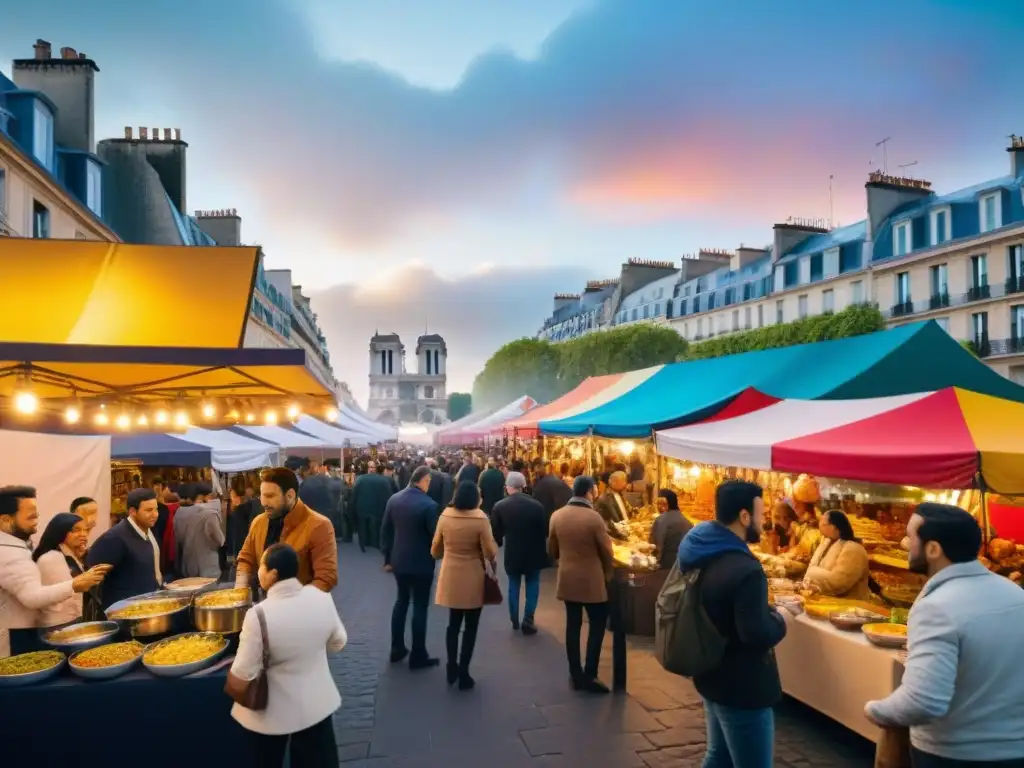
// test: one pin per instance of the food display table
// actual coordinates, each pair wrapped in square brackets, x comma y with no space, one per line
[137,718]
[835,672]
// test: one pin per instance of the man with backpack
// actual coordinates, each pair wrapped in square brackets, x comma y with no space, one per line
[730,630]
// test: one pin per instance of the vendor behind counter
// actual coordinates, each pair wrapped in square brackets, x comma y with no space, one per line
[840,565]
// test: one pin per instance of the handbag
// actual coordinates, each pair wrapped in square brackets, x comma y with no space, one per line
[492,589]
[252,694]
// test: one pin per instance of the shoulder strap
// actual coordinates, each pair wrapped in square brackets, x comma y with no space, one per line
[263,636]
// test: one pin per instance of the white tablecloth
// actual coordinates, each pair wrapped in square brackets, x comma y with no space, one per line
[835,672]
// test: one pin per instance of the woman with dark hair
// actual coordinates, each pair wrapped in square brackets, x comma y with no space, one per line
[839,566]
[300,626]
[462,542]
[60,557]
[669,528]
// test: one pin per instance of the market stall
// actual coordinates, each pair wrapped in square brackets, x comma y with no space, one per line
[350,418]
[476,427]
[332,435]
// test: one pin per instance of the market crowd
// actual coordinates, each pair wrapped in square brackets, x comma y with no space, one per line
[960,692]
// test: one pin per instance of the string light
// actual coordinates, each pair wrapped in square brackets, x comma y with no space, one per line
[161,417]
[142,421]
[72,414]
[209,411]
[332,414]
[293,412]
[181,419]
[270,418]
[123,421]
[26,402]
[250,417]
[101,419]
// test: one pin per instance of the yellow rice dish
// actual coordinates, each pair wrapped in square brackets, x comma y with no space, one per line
[75,633]
[27,663]
[223,598]
[184,650]
[145,609]
[889,630]
[108,655]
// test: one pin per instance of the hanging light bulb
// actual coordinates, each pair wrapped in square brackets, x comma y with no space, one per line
[270,418]
[161,417]
[694,471]
[250,418]
[72,414]
[142,421]
[209,411]
[332,414]
[101,419]
[123,421]
[232,415]
[181,419]
[293,412]
[26,402]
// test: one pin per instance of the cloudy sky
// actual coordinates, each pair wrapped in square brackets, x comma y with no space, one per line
[453,163]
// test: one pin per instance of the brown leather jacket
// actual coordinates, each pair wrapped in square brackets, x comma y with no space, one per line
[309,533]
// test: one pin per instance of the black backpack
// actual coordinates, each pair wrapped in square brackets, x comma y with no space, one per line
[686,642]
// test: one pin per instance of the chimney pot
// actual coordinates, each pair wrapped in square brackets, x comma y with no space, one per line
[177,134]
[82,56]
[42,49]
[156,134]
[127,131]
[167,134]
[143,133]
[68,53]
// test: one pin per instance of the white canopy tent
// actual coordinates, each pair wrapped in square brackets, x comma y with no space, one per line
[350,418]
[287,438]
[330,434]
[232,452]
[747,440]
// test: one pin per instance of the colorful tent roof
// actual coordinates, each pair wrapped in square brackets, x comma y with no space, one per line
[223,450]
[919,357]
[940,439]
[481,427]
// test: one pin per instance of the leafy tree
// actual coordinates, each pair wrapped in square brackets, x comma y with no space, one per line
[521,367]
[852,321]
[459,404]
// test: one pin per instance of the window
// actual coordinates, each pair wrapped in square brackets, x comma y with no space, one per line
[857,292]
[979,329]
[1017,322]
[94,187]
[903,288]
[657,309]
[635,314]
[735,319]
[746,317]
[830,265]
[990,212]
[828,301]
[647,311]
[760,315]
[849,258]
[3,194]
[700,327]
[1014,264]
[817,267]
[804,275]
[42,135]
[792,273]
[940,225]
[40,220]
[979,273]
[686,330]
[801,306]
[428,391]
[901,239]
[780,313]
[939,280]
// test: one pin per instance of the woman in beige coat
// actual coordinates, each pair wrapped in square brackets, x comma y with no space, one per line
[462,541]
[839,567]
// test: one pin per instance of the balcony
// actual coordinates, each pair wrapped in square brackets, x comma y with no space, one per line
[938,301]
[982,346]
[1011,346]
[943,301]
[1014,285]
[979,293]
[902,309]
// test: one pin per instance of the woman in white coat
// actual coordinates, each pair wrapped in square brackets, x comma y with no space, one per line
[303,626]
[60,557]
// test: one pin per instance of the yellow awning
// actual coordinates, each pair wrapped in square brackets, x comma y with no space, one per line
[114,294]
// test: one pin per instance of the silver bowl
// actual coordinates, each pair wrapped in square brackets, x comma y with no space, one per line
[180,670]
[107,630]
[161,624]
[191,586]
[101,673]
[222,619]
[32,678]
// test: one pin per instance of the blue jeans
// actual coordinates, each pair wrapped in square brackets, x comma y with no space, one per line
[739,738]
[532,594]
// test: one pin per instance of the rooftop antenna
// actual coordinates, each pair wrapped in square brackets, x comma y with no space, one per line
[884,144]
[906,165]
[830,211]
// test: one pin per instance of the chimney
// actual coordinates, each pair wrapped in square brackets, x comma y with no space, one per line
[565,300]
[177,134]
[887,193]
[144,133]
[745,256]
[128,132]
[224,226]
[794,231]
[156,134]
[69,82]
[1016,150]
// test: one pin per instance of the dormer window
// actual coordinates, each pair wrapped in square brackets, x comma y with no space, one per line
[94,187]
[990,212]
[940,220]
[902,239]
[42,134]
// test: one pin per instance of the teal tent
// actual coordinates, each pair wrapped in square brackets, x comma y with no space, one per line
[919,357]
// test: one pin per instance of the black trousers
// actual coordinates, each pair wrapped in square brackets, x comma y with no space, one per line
[313,747]
[921,759]
[414,589]
[456,618]
[597,615]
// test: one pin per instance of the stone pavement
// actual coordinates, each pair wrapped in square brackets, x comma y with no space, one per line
[522,713]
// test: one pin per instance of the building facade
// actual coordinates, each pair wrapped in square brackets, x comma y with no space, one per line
[398,395]
[957,258]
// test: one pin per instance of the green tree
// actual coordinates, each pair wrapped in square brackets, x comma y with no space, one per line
[628,348]
[459,404]
[521,367]
[852,321]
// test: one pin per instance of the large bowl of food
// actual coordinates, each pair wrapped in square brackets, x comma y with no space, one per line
[30,668]
[190,585]
[886,635]
[222,610]
[105,662]
[78,637]
[156,613]
[184,654]
[852,619]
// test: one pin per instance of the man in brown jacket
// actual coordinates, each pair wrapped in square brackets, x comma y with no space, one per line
[579,541]
[286,519]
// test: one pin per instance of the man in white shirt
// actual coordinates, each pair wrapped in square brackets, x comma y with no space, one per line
[22,593]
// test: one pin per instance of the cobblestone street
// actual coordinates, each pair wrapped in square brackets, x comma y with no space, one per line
[522,712]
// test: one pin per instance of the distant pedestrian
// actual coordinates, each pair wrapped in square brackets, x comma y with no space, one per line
[549,489]
[407,532]
[740,691]
[369,497]
[521,526]
[462,542]
[492,486]
[579,541]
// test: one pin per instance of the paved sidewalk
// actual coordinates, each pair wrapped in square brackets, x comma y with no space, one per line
[522,713]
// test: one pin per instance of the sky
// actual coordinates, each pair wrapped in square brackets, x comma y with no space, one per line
[451,164]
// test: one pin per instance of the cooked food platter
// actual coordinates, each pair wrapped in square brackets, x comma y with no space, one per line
[154,613]
[222,610]
[853,619]
[191,585]
[31,668]
[105,662]
[184,654]
[886,635]
[77,637]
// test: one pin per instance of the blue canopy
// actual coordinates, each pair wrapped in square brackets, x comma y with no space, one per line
[159,450]
[919,357]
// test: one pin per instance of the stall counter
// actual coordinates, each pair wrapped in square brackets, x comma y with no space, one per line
[835,672]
